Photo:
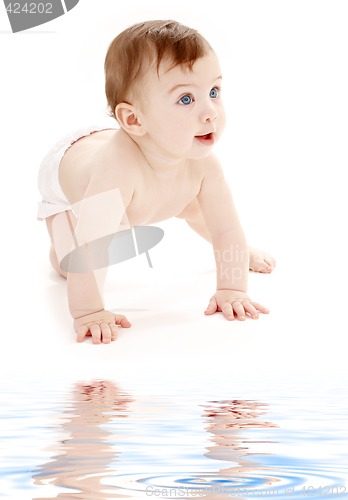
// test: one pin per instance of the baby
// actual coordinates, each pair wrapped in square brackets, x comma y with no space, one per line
[163,86]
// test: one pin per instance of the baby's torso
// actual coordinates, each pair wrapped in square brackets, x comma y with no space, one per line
[154,198]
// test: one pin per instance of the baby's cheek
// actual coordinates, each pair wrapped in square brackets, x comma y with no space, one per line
[222,119]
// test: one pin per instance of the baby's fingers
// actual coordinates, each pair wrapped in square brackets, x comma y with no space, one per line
[239,310]
[120,319]
[212,307]
[227,311]
[105,333]
[250,309]
[81,333]
[96,333]
[260,308]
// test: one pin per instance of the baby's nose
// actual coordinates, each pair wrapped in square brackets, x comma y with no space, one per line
[209,114]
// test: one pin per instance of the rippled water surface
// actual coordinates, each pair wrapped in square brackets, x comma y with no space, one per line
[95,440]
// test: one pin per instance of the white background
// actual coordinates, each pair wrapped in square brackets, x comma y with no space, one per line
[284,151]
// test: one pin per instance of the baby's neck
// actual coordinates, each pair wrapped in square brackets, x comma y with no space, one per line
[160,164]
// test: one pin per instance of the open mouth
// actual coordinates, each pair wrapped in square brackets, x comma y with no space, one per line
[207,139]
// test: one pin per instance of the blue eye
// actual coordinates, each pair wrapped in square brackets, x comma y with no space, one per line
[185,100]
[214,93]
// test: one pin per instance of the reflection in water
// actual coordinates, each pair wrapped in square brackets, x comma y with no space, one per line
[90,467]
[226,420]
[86,454]
[109,445]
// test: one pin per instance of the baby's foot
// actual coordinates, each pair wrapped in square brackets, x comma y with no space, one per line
[260,261]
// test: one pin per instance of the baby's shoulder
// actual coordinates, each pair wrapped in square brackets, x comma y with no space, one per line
[113,156]
[95,163]
[208,165]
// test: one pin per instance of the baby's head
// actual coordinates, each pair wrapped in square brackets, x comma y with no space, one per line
[145,45]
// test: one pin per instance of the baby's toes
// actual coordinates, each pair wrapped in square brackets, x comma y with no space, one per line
[260,262]
[270,263]
[266,267]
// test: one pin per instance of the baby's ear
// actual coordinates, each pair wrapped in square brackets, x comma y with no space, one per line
[128,118]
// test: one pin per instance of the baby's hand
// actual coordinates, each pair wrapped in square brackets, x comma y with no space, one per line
[234,304]
[101,325]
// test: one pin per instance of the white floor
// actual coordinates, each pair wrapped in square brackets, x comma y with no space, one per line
[285,156]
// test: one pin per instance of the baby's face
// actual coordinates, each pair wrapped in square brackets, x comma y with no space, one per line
[183,112]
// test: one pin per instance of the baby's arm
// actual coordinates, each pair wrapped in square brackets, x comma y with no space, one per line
[100,214]
[230,246]
[85,297]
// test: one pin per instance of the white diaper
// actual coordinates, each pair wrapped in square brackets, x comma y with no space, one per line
[53,199]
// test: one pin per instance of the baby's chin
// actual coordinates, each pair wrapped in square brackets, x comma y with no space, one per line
[201,155]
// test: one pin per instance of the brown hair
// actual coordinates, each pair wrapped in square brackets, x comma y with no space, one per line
[137,47]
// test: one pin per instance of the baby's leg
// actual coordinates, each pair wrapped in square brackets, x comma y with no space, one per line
[53,253]
[259,261]
[67,226]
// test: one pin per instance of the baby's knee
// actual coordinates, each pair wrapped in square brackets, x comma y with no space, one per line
[55,263]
